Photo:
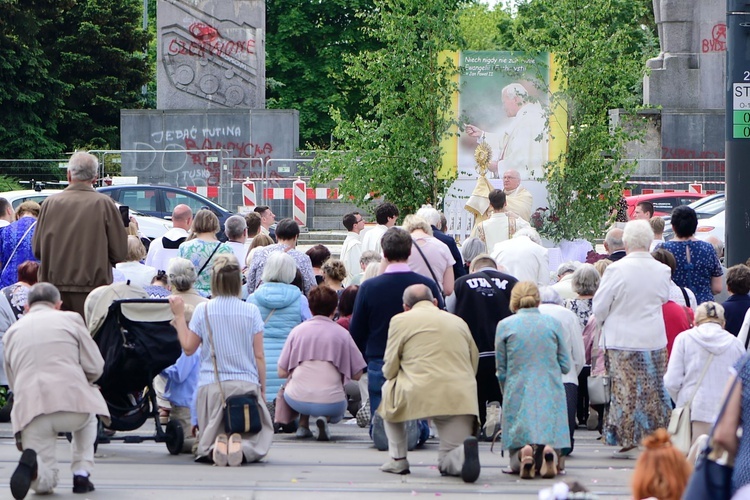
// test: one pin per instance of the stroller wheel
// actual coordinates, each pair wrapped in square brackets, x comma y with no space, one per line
[175,437]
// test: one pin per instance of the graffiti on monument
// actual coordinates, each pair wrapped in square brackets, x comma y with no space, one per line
[717,41]
[210,56]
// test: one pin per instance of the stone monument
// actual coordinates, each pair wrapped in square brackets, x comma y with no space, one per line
[687,81]
[211,54]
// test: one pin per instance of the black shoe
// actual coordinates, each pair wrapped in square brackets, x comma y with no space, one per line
[470,469]
[82,484]
[25,473]
[6,409]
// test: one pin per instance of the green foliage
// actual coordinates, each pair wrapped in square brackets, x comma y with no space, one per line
[601,47]
[68,68]
[393,149]
[484,28]
[306,45]
[8,184]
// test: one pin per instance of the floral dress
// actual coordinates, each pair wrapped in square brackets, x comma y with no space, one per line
[697,263]
[199,252]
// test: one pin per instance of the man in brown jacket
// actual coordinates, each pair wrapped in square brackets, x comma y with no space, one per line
[80,235]
[427,345]
[52,362]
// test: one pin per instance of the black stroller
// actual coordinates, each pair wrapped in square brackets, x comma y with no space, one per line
[137,342]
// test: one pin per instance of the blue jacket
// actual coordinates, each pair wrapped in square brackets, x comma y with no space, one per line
[285,302]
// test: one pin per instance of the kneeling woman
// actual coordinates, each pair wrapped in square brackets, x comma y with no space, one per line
[232,363]
[318,359]
[532,356]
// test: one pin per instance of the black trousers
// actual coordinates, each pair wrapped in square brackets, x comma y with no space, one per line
[488,388]
[571,398]
[583,395]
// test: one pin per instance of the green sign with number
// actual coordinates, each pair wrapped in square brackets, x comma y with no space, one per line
[741,124]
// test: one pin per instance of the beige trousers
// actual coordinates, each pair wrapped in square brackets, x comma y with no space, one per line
[211,423]
[453,430]
[182,415]
[41,436]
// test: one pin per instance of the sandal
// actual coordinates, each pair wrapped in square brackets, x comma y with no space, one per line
[221,450]
[548,469]
[234,450]
[526,458]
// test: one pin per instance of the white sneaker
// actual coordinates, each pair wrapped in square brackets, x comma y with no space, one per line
[394,466]
[494,419]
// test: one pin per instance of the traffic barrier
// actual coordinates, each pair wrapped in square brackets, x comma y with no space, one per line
[207,191]
[249,199]
[299,203]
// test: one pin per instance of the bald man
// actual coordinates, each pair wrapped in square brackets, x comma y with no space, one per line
[163,249]
[426,344]
[614,245]
[518,199]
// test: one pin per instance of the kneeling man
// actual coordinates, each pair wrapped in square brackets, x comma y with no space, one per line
[52,361]
[430,367]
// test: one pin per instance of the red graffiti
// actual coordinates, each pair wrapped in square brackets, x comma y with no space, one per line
[203,32]
[202,48]
[240,168]
[692,163]
[718,40]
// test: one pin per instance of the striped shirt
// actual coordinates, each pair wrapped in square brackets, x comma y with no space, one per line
[234,324]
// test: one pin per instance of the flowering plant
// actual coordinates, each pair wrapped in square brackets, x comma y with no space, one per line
[545,222]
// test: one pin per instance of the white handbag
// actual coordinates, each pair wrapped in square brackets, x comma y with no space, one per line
[680,426]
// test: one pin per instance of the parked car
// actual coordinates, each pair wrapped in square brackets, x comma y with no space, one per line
[663,202]
[705,208]
[713,226]
[151,227]
[158,201]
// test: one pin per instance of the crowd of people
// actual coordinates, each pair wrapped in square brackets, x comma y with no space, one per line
[312,336]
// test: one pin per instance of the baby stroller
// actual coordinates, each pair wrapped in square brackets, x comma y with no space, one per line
[137,342]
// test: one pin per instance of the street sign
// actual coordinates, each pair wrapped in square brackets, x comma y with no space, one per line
[741,111]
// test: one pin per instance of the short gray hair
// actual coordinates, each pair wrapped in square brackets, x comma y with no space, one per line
[279,268]
[549,295]
[613,239]
[529,232]
[471,248]
[234,226]
[585,280]
[43,292]
[567,267]
[430,214]
[637,235]
[83,166]
[413,222]
[181,274]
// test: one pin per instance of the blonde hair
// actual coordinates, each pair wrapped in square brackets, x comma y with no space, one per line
[136,250]
[28,207]
[226,278]
[205,221]
[413,222]
[662,471]
[601,265]
[709,312]
[371,271]
[334,269]
[524,295]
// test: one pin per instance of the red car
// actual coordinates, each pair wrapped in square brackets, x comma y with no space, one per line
[663,202]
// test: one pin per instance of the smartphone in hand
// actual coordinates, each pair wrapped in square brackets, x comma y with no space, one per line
[125,214]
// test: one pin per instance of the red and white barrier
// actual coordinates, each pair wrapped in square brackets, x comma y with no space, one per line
[695,188]
[312,193]
[207,191]
[249,199]
[299,204]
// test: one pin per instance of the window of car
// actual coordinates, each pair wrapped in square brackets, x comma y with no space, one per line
[173,198]
[141,200]
[39,199]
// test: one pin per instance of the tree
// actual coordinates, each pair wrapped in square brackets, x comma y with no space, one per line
[393,149]
[30,95]
[601,47]
[306,44]
[99,53]
[485,28]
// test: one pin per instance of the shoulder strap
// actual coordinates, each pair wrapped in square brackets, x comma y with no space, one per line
[685,295]
[207,261]
[428,265]
[213,358]
[489,280]
[700,379]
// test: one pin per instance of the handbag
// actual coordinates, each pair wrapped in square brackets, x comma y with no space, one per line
[712,476]
[241,412]
[283,413]
[680,425]
[599,386]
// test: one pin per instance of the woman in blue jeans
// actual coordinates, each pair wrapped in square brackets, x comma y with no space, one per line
[319,357]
